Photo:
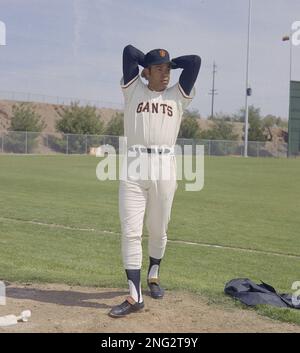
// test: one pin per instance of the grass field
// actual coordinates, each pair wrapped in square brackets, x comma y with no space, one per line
[58,223]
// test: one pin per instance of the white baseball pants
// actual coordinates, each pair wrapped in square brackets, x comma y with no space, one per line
[137,198]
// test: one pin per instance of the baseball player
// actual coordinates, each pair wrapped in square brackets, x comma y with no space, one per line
[152,119]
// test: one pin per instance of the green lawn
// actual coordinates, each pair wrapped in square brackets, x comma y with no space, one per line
[245,203]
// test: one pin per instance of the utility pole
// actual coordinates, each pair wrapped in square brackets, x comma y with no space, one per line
[248,89]
[289,38]
[213,90]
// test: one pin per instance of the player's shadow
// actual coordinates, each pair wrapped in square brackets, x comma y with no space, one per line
[64,297]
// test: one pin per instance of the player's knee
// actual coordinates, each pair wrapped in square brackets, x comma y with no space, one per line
[131,231]
[158,236]
[157,231]
[157,249]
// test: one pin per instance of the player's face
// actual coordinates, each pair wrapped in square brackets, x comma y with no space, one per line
[159,77]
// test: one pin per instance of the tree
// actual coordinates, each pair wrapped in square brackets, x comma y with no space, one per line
[256,128]
[79,120]
[189,128]
[272,120]
[268,122]
[115,126]
[191,114]
[221,116]
[221,130]
[282,123]
[239,117]
[25,118]
[24,129]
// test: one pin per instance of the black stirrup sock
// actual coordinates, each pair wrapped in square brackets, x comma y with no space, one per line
[134,282]
[153,270]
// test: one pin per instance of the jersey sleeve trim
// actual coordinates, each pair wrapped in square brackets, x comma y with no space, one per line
[183,93]
[130,82]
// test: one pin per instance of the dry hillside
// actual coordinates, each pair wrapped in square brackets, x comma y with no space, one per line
[50,115]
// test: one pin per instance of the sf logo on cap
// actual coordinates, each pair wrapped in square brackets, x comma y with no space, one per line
[162,53]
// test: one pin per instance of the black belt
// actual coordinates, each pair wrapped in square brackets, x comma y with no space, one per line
[149,150]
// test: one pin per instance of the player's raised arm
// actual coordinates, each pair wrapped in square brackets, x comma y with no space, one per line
[132,58]
[191,66]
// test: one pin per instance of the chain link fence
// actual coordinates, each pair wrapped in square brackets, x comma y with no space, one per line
[236,148]
[46,143]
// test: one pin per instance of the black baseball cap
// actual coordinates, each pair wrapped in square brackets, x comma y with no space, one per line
[157,57]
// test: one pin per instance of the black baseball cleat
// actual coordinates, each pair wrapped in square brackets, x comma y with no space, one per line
[127,307]
[156,291]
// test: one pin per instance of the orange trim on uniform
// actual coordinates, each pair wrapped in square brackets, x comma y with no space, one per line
[130,82]
[182,92]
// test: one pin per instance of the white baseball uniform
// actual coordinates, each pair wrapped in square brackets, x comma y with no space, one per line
[151,119]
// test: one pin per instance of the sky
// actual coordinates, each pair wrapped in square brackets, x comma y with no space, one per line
[73,48]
